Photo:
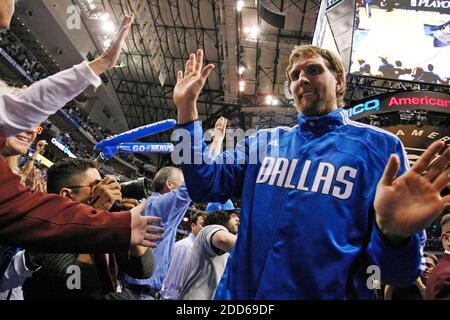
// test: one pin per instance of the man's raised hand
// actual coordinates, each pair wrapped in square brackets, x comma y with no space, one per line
[189,85]
[410,203]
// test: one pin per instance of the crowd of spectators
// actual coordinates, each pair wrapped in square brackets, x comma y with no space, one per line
[25,59]
[397,71]
[81,116]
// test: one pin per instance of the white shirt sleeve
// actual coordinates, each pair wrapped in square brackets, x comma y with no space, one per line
[33,105]
[16,273]
[205,236]
[177,265]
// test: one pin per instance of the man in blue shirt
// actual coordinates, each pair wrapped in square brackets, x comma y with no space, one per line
[319,200]
[170,201]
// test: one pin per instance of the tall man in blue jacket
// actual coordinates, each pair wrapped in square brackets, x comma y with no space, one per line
[319,200]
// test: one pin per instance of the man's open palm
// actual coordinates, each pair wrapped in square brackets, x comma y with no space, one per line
[410,203]
[190,84]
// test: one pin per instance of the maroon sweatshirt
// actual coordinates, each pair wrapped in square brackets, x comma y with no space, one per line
[438,282]
[50,223]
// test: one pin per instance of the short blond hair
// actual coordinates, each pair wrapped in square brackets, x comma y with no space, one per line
[334,64]
[445,223]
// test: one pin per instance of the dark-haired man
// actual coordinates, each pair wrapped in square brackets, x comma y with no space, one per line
[80,180]
[209,256]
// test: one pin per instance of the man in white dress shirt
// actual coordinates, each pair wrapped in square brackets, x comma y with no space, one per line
[181,253]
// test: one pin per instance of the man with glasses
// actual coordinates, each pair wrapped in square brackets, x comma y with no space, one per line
[438,283]
[80,180]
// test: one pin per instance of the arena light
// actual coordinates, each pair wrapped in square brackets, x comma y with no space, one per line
[239,5]
[104,16]
[108,26]
[241,70]
[269,99]
[254,32]
[241,85]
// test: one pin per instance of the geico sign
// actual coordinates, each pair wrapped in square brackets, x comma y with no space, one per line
[363,107]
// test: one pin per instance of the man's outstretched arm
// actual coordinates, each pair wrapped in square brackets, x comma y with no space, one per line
[34,104]
[205,180]
[50,223]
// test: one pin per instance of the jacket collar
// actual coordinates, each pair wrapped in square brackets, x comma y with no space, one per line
[321,124]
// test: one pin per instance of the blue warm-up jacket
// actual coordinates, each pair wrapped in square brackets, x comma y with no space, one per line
[307,222]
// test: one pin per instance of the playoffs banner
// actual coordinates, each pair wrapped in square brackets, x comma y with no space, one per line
[442,6]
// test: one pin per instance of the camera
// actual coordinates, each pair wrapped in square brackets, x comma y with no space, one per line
[136,189]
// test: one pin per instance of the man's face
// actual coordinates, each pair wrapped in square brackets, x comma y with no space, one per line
[198,225]
[314,86]
[6,13]
[445,237]
[233,223]
[176,180]
[429,263]
[19,144]
[84,183]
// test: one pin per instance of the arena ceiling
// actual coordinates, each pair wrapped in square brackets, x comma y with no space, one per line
[166,32]
[163,36]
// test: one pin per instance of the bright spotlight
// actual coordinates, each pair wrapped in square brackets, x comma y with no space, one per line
[108,26]
[239,5]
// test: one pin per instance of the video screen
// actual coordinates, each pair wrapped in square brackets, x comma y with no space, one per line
[402,39]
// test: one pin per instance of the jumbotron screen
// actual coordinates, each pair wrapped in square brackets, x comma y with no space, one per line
[402,39]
